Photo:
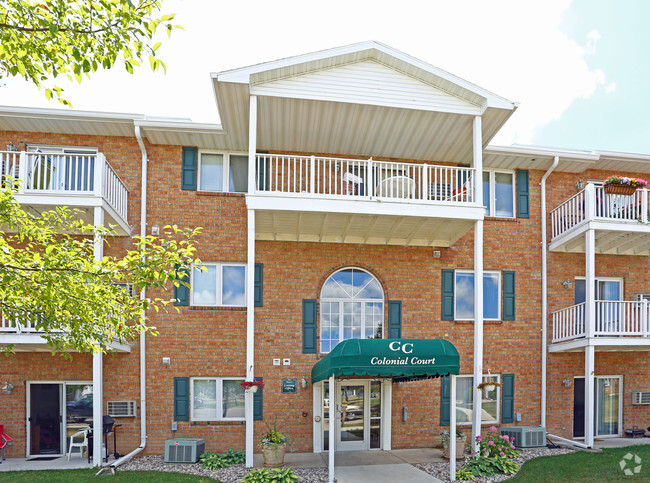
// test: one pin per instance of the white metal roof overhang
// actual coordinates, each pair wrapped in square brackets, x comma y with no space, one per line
[366,100]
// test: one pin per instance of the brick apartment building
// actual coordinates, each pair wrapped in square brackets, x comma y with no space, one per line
[349,193]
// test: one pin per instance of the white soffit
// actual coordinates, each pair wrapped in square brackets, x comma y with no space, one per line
[370,83]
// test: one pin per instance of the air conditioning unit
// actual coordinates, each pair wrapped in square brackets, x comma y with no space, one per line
[640,397]
[526,436]
[643,296]
[183,450]
[121,409]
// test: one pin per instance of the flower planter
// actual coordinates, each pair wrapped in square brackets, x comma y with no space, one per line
[619,189]
[460,450]
[273,455]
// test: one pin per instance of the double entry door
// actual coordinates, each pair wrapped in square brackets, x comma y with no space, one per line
[608,406]
[55,411]
[358,409]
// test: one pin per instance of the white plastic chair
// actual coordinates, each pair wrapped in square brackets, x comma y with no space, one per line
[81,445]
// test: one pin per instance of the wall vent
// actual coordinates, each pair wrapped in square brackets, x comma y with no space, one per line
[640,397]
[121,409]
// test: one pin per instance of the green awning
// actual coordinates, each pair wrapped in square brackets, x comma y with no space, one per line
[401,359]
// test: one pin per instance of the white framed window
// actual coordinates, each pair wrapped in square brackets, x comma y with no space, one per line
[464,295]
[223,172]
[491,399]
[351,307]
[216,399]
[499,193]
[219,285]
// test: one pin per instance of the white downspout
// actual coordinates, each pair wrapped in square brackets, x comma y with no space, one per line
[143,365]
[544,289]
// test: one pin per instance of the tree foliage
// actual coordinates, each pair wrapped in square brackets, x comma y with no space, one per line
[50,280]
[42,39]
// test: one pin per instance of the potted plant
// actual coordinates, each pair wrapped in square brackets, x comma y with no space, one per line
[251,386]
[489,385]
[460,443]
[273,445]
[622,185]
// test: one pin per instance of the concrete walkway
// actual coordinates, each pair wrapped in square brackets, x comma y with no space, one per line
[60,463]
[364,466]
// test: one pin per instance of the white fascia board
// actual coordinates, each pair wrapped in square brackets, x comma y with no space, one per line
[46,113]
[621,156]
[528,151]
[362,207]
[182,126]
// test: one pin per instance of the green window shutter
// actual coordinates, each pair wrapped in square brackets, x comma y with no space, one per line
[508,295]
[445,401]
[262,171]
[447,307]
[189,168]
[258,402]
[181,398]
[394,319]
[309,326]
[523,197]
[259,276]
[508,398]
[182,293]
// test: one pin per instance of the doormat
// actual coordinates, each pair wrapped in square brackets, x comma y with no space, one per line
[44,458]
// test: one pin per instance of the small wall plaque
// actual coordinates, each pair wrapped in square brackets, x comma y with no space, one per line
[289,385]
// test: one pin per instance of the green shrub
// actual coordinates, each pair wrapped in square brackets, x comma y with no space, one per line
[214,461]
[276,475]
[490,466]
[463,474]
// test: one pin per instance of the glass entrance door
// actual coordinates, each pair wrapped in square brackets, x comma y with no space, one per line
[45,419]
[607,406]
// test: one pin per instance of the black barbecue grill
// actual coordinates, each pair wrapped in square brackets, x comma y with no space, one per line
[109,427]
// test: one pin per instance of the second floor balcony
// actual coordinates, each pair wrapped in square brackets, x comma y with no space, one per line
[79,181]
[621,222]
[324,199]
[616,325]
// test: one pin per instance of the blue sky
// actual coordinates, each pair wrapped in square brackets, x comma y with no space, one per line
[615,118]
[579,68]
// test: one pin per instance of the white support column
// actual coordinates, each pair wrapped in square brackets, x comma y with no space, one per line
[590,283]
[452,428]
[590,359]
[98,361]
[332,430]
[250,337]
[252,145]
[478,286]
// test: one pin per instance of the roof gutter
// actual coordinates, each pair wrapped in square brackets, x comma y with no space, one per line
[143,384]
[556,160]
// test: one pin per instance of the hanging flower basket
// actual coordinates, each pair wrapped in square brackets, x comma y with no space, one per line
[622,185]
[251,386]
[489,385]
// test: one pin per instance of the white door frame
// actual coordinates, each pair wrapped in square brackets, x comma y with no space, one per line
[63,413]
[386,409]
[620,406]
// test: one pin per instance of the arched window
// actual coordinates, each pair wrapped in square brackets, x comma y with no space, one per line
[351,307]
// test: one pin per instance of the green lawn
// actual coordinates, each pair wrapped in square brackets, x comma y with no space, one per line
[581,466]
[73,476]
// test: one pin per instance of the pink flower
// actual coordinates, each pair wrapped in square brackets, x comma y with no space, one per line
[473,453]
[512,446]
[491,443]
[493,428]
[502,453]
[505,437]
[513,439]
[479,438]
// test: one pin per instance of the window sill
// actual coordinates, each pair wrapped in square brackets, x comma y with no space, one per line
[500,218]
[233,309]
[220,193]
[467,322]
[218,423]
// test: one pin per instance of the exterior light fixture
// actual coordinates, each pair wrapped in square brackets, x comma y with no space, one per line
[567,284]
[567,382]
[580,185]
[12,147]
[303,382]
[6,388]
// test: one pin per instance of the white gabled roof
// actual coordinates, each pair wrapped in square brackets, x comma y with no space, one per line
[325,59]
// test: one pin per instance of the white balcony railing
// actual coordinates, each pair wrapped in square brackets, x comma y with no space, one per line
[22,326]
[363,179]
[593,203]
[56,173]
[612,319]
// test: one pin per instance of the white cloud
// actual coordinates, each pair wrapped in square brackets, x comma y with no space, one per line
[611,87]
[516,49]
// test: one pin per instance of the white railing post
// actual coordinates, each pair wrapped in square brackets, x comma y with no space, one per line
[312,174]
[371,184]
[644,205]
[22,171]
[100,162]
[590,201]
[644,319]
